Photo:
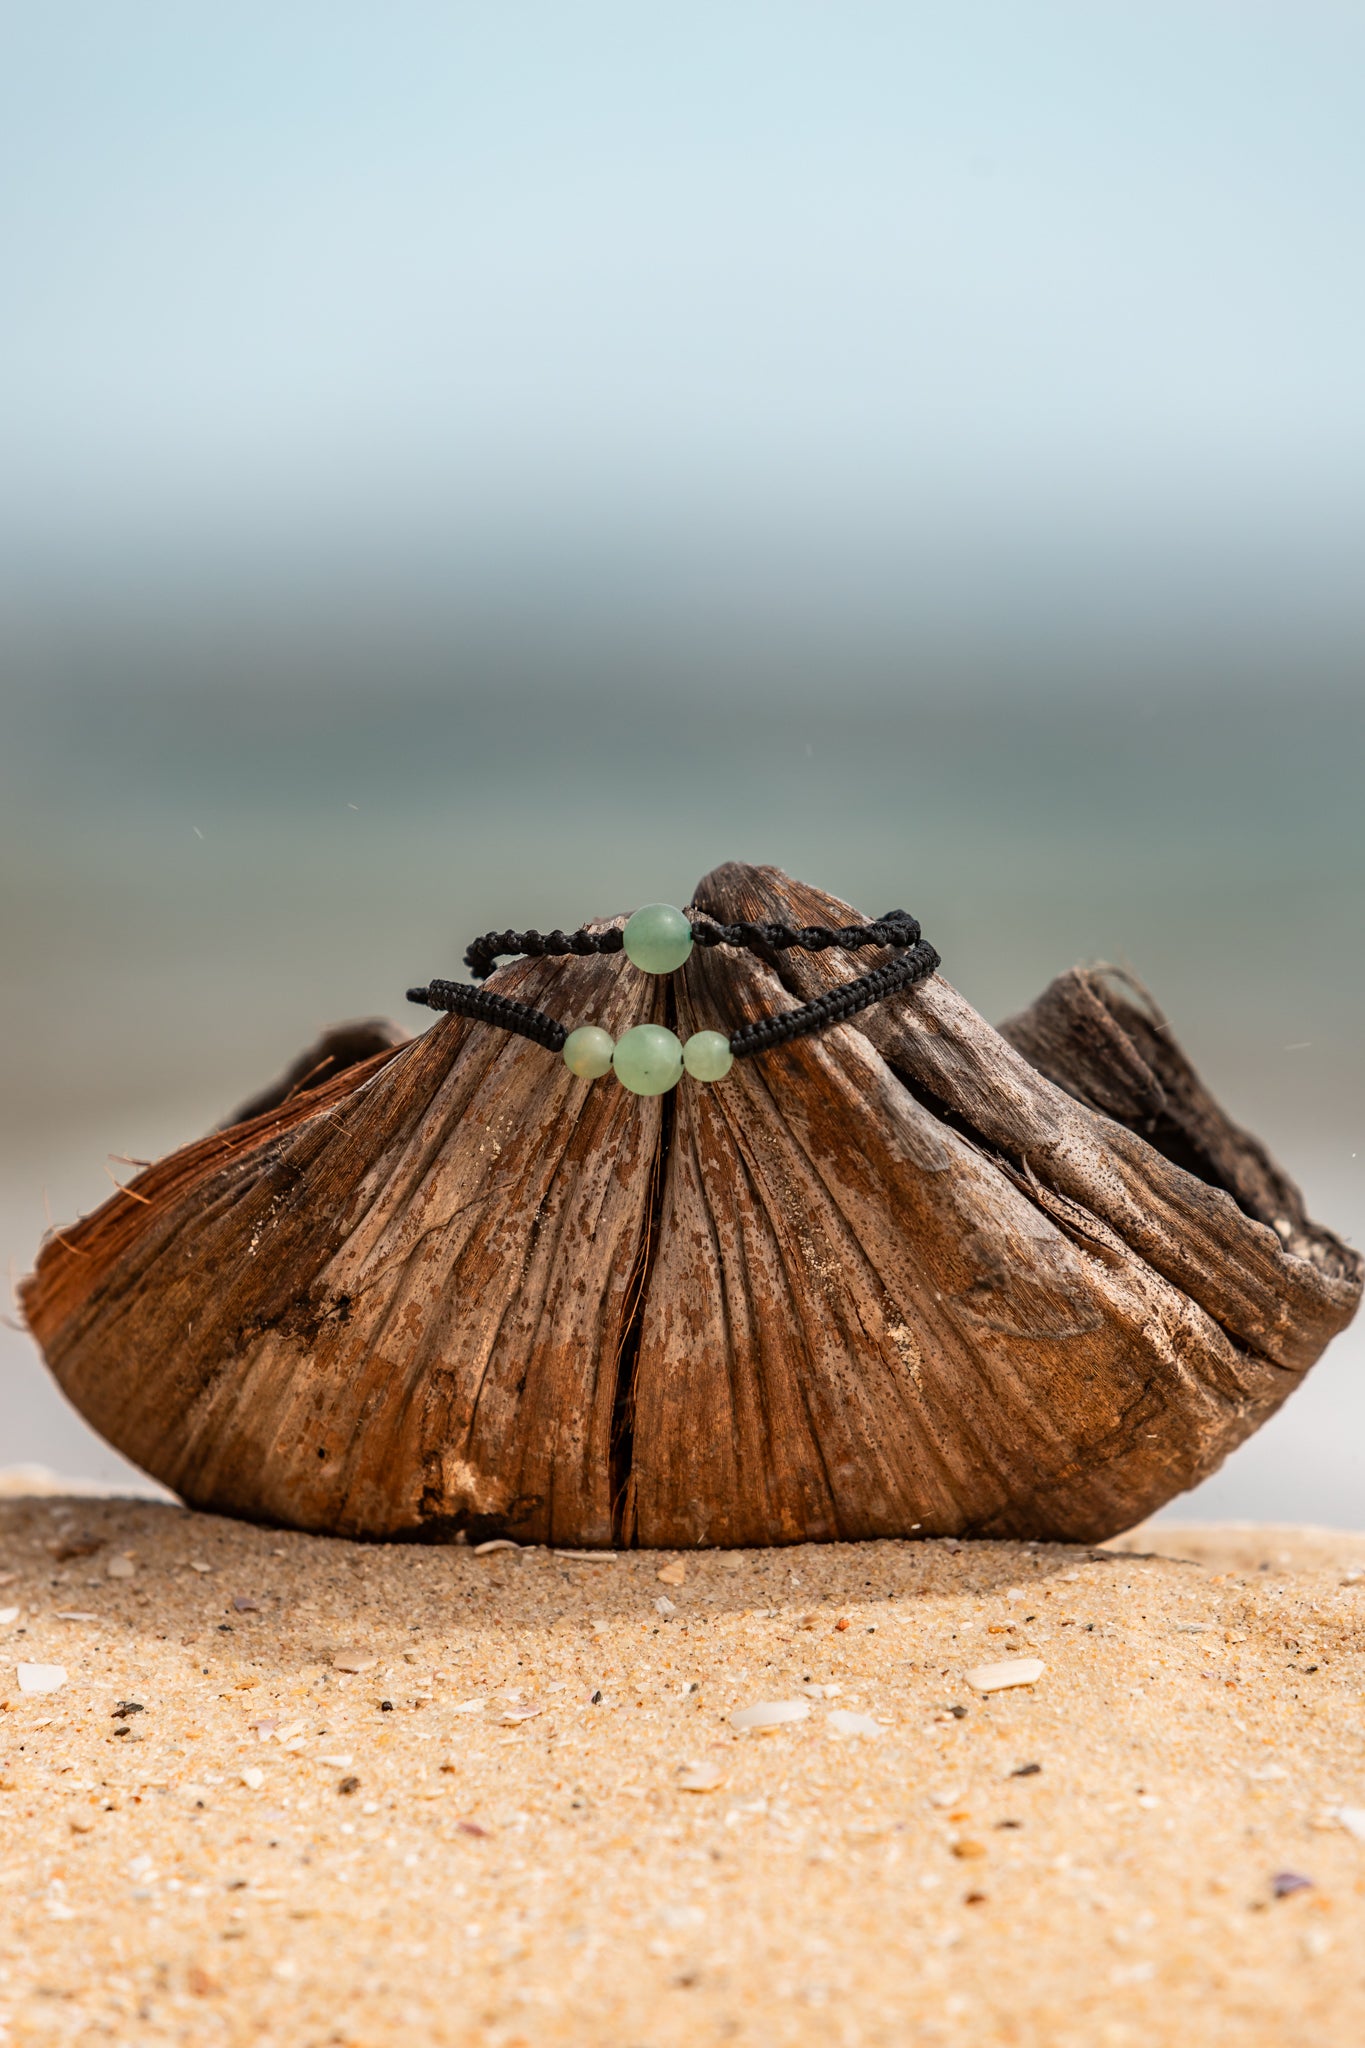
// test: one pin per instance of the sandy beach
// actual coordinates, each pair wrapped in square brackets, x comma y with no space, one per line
[298,1791]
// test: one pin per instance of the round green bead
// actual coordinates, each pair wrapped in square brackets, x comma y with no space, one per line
[707,1056]
[648,1060]
[657,938]
[588,1051]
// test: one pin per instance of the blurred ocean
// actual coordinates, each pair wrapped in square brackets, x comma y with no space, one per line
[201,868]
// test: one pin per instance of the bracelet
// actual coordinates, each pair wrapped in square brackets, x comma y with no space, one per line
[649,1059]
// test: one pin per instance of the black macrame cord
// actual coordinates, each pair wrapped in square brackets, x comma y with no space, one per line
[918,960]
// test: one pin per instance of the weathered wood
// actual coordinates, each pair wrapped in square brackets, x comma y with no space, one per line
[1097,1033]
[1243,1312]
[397,1311]
[914,1274]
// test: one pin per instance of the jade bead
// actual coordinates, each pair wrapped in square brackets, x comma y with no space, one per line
[657,938]
[648,1060]
[707,1056]
[588,1051]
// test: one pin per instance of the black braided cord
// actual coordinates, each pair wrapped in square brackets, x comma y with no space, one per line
[837,1003]
[482,956]
[897,928]
[492,1009]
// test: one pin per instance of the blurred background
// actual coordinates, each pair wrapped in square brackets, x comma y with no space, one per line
[481,464]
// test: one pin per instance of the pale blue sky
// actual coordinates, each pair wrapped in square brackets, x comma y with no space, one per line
[930,289]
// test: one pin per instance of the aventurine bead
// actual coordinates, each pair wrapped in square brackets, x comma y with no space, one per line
[657,938]
[648,1060]
[588,1051]
[707,1056]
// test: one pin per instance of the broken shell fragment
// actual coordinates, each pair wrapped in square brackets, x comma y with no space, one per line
[845,1722]
[40,1677]
[1000,1677]
[769,1714]
[699,1777]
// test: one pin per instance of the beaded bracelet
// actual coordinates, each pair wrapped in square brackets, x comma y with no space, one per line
[649,1059]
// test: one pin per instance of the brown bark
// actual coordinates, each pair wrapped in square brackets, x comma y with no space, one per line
[914,1274]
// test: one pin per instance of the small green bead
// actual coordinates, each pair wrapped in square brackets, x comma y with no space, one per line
[657,938]
[588,1051]
[707,1056]
[648,1060]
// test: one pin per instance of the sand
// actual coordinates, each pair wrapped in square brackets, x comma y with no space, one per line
[215,1831]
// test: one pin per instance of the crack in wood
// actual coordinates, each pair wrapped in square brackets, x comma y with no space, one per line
[626,1367]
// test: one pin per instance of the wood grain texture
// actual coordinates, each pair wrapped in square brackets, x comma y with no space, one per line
[396,1311]
[914,1274]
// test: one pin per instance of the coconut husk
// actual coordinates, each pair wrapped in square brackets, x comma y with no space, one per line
[912,1275]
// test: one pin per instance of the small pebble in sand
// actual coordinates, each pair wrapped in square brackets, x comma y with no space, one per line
[353,1660]
[197,1565]
[999,1677]
[1286,1882]
[699,1777]
[663,1605]
[120,1568]
[495,1543]
[1352,1818]
[731,1561]
[588,1556]
[244,1604]
[769,1714]
[7,1615]
[40,1677]
[674,1574]
[253,1777]
[845,1722]
[1026,1771]
[968,1848]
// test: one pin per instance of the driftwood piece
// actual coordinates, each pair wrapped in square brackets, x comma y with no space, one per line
[912,1275]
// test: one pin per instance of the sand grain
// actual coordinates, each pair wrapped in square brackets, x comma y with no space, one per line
[532,1820]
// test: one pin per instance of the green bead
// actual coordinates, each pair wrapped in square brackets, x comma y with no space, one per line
[588,1051]
[648,1060]
[707,1056]
[657,938]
